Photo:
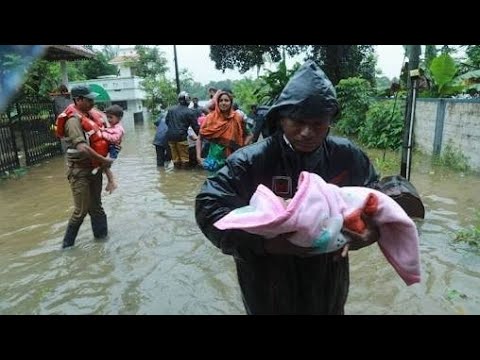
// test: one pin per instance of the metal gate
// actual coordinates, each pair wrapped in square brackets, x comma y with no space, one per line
[27,127]
[8,147]
[36,121]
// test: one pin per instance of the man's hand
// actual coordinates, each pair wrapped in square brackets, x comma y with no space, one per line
[108,161]
[92,154]
[358,241]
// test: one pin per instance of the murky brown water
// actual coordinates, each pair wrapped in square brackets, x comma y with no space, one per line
[156,260]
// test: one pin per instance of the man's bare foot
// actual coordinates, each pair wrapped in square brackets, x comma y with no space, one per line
[111,186]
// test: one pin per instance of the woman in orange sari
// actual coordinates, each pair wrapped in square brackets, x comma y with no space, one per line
[225,130]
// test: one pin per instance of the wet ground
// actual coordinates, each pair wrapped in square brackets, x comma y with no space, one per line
[156,260]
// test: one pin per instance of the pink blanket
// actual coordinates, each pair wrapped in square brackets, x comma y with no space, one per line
[318,212]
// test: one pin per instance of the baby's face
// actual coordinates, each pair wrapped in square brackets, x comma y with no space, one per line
[112,119]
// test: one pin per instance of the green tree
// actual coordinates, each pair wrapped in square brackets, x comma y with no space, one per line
[161,93]
[41,77]
[193,88]
[354,98]
[472,59]
[338,61]
[110,51]
[44,77]
[245,91]
[223,84]
[245,57]
[98,66]
[430,54]
[383,85]
[150,63]
[383,127]
[274,82]
[345,61]
[383,82]
[443,69]
[471,81]
[473,54]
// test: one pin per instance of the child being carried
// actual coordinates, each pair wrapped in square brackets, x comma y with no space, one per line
[108,141]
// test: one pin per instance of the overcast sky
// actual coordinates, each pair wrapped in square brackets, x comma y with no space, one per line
[196,58]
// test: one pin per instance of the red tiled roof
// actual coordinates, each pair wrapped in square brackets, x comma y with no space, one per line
[67,52]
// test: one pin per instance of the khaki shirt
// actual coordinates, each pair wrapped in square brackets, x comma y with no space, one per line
[75,135]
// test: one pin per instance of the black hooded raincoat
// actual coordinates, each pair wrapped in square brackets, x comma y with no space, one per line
[280,284]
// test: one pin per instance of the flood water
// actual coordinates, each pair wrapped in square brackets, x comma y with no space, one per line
[156,260]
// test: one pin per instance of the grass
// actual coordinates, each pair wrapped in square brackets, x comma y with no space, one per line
[471,235]
[453,158]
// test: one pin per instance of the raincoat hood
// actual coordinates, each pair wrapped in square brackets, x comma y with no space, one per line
[310,88]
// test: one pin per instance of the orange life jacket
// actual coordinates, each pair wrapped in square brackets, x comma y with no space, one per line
[91,127]
[71,111]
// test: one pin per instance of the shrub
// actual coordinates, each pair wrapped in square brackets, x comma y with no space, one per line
[453,158]
[471,235]
[383,127]
[354,98]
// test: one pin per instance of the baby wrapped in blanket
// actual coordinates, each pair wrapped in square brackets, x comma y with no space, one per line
[318,212]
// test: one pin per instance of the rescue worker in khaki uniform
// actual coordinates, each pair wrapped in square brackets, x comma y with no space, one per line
[86,187]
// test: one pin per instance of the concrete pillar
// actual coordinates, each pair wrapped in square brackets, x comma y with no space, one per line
[63,68]
[439,121]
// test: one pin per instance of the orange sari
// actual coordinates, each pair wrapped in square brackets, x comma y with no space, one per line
[227,131]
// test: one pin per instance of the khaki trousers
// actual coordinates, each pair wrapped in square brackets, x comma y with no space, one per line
[86,190]
[179,151]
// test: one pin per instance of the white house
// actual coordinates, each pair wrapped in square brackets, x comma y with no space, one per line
[124,89]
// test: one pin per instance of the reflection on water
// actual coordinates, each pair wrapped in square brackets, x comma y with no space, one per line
[156,260]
